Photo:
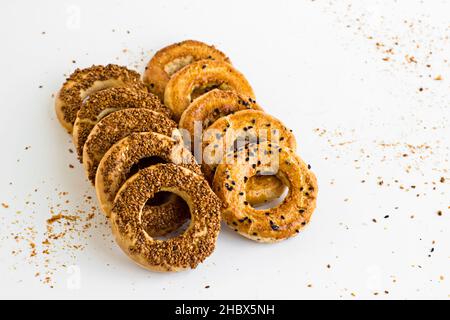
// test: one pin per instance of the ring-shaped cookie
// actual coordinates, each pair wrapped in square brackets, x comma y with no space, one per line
[211,106]
[252,125]
[170,59]
[117,126]
[184,251]
[104,102]
[200,77]
[137,151]
[84,82]
[280,222]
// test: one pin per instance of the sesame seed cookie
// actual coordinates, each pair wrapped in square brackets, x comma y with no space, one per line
[84,82]
[175,254]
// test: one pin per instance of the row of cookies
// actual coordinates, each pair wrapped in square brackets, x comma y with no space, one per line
[215,104]
[120,130]
[123,132]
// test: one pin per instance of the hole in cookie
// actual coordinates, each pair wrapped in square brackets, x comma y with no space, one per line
[266,191]
[144,163]
[199,91]
[176,64]
[106,112]
[99,86]
[159,199]
[167,220]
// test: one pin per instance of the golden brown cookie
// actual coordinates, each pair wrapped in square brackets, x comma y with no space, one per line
[106,101]
[211,106]
[280,222]
[175,254]
[167,61]
[84,82]
[117,126]
[200,77]
[229,133]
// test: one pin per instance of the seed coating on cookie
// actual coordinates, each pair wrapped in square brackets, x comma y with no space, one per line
[227,134]
[269,225]
[242,127]
[176,254]
[167,61]
[106,101]
[84,82]
[200,77]
[133,153]
[117,126]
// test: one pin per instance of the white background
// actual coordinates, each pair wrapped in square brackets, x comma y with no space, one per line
[318,66]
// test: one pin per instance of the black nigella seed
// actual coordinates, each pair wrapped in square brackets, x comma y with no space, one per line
[246,203]
[275,227]
[229,188]
[298,231]
[241,193]
[234,223]
[282,138]
[254,166]
[245,179]
[282,217]
[255,234]
[267,213]
[204,67]
[301,210]
[309,166]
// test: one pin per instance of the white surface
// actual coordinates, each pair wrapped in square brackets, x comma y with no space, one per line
[313,64]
